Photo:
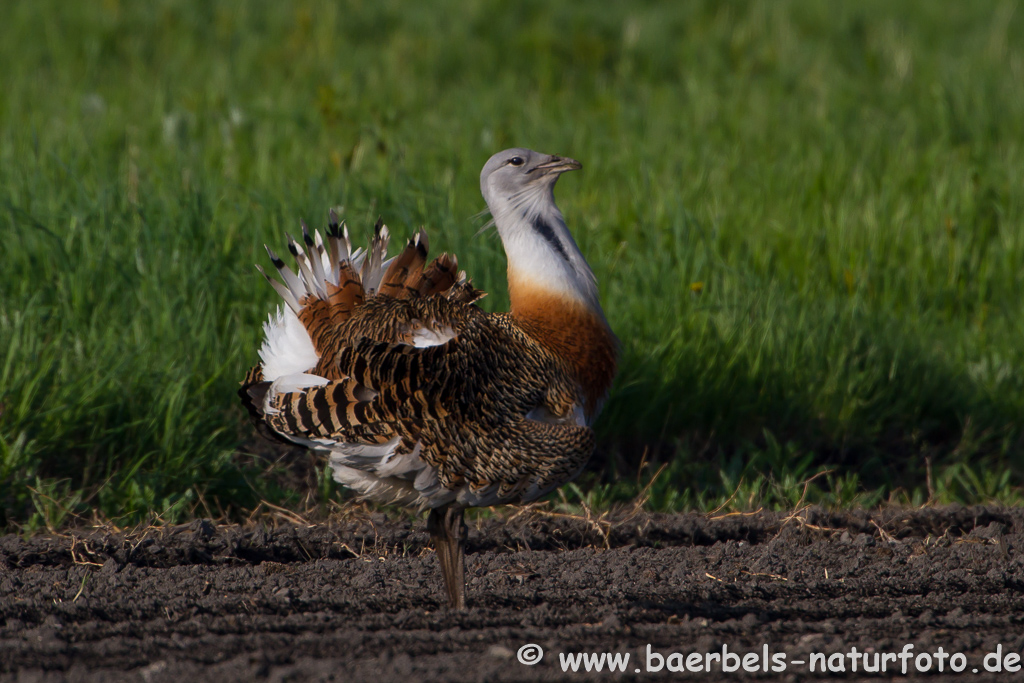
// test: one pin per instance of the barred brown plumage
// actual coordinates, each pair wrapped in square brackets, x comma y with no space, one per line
[419,396]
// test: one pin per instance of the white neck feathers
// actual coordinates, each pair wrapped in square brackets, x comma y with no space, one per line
[540,249]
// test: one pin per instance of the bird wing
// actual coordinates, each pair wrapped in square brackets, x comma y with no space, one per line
[419,395]
[462,407]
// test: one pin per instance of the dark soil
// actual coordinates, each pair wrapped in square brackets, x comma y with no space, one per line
[361,600]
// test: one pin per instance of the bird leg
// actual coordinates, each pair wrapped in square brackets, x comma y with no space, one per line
[448,533]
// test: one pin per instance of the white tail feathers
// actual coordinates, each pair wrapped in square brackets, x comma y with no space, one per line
[285,292]
[373,266]
[319,265]
[287,348]
[316,254]
[340,244]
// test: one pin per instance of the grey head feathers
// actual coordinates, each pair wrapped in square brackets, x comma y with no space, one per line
[522,177]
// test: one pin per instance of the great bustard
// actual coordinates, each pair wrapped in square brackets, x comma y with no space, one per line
[419,396]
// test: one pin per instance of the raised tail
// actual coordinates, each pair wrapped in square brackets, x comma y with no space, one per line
[325,305]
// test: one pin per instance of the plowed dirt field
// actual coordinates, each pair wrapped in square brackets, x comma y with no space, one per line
[361,600]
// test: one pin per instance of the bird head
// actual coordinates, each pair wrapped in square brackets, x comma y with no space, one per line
[520,178]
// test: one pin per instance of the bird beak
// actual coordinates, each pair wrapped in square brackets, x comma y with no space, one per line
[558,165]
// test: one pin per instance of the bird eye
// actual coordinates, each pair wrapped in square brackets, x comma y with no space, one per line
[516,161]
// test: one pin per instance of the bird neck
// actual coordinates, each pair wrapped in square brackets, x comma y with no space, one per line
[572,331]
[553,292]
[553,297]
[541,250]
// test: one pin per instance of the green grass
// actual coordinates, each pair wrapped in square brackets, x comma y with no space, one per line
[843,179]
